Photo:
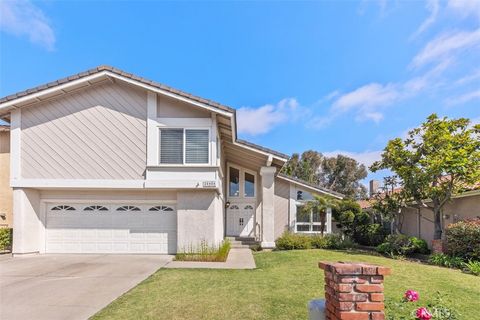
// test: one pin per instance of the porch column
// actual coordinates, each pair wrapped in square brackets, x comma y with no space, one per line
[268,198]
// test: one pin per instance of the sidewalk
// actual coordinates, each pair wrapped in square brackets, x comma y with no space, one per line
[238,258]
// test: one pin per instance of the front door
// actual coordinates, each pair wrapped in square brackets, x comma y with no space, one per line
[240,220]
[242,198]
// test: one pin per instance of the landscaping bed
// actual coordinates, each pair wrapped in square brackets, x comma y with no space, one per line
[205,253]
[279,288]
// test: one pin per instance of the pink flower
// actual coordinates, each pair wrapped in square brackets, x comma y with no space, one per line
[411,295]
[423,314]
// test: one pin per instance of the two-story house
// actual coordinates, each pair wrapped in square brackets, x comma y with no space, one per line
[107,162]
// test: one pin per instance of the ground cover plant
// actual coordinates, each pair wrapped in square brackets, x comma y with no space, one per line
[280,288]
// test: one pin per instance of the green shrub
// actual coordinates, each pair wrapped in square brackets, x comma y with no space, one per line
[463,239]
[420,245]
[205,252]
[370,234]
[5,239]
[445,260]
[402,245]
[295,241]
[473,267]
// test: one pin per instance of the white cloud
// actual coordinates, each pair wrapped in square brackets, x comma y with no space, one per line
[367,100]
[469,78]
[433,7]
[465,7]
[367,157]
[467,97]
[446,46]
[261,120]
[23,18]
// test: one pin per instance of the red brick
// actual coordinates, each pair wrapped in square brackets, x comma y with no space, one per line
[377,297]
[369,288]
[348,269]
[353,316]
[369,270]
[345,306]
[370,306]
[378,316]
[343,287]
[352,297]
[384,271]
[376,279]
[324,265]
[360,279]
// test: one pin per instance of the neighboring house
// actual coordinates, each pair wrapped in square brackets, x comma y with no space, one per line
[5,189]
[420,223]
[105,161]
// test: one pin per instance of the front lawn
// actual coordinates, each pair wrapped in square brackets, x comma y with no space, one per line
[279,289]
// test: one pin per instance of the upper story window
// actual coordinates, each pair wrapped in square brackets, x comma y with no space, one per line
[241,183]
[184,146]
[249,185]
[234,184]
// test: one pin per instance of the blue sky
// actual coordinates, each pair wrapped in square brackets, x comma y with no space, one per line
[337,77]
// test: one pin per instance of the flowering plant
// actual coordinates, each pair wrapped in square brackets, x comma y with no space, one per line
[410,308]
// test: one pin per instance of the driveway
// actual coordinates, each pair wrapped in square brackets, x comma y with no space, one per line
[69,286]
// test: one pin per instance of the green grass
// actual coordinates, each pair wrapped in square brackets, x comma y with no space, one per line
[205,252]
[279,288]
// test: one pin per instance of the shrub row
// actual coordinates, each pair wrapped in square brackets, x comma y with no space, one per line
[463,239]
[402,245]
[293,241]
[448,261]
[5,239]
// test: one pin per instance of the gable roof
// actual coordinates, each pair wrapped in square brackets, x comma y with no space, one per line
[310,186]
[112,71]
[103,72]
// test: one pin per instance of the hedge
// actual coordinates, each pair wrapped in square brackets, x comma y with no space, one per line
[463,239]
[5,239]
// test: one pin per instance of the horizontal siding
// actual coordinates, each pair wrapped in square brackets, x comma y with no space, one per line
[96,133]
[281,207]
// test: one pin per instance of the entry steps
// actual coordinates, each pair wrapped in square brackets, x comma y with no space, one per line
[243,242]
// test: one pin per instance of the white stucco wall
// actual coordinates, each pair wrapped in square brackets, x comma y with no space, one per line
[199,218]
[26,221]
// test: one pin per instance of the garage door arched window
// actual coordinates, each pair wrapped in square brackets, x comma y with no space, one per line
[161,208]
[95,208]
[128,208]
[63,208]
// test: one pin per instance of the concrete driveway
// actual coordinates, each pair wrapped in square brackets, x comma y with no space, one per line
[69,286]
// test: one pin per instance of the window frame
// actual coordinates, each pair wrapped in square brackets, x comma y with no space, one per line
[241,182]
[311,223]
[184,153]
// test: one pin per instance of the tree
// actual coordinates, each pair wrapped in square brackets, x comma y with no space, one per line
[390,203]
[349,216]
[343,174]
[436,160]
[305,167]
[319,205]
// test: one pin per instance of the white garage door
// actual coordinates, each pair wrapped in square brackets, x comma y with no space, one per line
[111,228]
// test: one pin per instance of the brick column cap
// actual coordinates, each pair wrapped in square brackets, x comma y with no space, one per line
[354,268]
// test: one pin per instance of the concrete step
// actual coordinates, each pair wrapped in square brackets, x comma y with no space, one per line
[242,242]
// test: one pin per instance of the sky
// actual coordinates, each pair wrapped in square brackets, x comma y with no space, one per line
[332,76]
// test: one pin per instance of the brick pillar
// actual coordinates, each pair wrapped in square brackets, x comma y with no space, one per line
[438,246]
[354,291]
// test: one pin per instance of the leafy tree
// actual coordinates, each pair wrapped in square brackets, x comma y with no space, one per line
[320,205]
[435,161]
[349,216]
[390,202]
[343,174]
[304,167]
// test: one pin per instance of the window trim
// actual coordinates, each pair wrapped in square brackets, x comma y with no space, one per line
[184,155]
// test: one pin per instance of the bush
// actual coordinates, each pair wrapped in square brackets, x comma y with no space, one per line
[473,267]
[370,235]
[420,245]
[293,241]
[205,253]
[444,260]
[402,245]
[5,239]
[463,239]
